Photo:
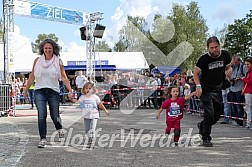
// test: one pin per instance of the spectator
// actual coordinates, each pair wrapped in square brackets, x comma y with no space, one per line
[247,90]
[80,82]
[167,82]
[187,91]
[194,101]
[183,78]
[162,78]
[226,105]
[238,72]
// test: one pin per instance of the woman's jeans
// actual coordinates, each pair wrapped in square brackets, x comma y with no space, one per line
[212,104]
[90,126]
[43,97]
[248,102]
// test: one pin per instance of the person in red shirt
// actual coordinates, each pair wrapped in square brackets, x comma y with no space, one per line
[174,106]
[247,90]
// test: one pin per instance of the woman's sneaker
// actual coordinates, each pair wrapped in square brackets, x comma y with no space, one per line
[42,143]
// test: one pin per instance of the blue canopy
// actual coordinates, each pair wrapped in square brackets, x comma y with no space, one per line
[171,70]
[97,67]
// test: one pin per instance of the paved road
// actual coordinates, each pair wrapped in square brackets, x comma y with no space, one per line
[114,147]
[13,142]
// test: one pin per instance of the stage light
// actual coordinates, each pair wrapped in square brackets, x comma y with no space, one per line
[99,30]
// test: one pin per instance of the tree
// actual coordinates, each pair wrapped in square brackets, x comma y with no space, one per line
[172,39]
[190,26]
[221,34]
[120,46]
[41,38]
[130,36]
[239,37]
[102,46]
[187,36]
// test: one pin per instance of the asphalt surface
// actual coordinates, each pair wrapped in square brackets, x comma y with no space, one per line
[133,140]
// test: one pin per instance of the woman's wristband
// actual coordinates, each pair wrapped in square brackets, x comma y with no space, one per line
[198,86]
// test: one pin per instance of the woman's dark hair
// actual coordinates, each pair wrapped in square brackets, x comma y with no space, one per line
[55,46]
[213,39]
[170,88]
[248,59]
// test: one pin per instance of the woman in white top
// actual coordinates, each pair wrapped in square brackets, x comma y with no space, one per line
[47,70]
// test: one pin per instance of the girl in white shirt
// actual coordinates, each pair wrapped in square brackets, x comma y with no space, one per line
[88,103]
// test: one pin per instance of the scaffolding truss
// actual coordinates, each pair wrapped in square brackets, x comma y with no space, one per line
[93,20]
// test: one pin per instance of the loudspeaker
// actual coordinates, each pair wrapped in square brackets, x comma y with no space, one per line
[99,30]
[83,33]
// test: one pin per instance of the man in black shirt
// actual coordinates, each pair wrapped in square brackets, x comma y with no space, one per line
[209,76]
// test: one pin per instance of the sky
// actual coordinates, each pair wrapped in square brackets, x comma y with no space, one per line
[217,13]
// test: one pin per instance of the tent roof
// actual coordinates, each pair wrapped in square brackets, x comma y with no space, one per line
[122,60]
[97,67]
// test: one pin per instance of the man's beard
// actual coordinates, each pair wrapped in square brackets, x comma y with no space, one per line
[214,54]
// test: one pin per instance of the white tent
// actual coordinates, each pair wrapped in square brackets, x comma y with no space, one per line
[24,58]
[122,60]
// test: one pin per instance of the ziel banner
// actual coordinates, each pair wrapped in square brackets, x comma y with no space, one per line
[48,12]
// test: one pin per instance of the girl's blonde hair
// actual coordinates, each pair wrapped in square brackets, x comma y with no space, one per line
[86,85]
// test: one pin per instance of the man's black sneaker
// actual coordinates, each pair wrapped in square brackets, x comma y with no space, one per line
[207,143]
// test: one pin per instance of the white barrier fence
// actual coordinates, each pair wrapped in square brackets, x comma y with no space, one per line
[5,100]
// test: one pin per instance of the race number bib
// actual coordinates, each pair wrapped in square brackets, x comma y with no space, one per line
[175,110]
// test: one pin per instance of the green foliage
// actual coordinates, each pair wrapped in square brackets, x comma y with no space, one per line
[221,34]
[41,38]
[130,36]
[183,25]
[190,26]
[120,46]
[102,46]
[239,36]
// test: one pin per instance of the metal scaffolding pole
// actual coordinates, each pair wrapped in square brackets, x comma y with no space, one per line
[94,19]
[8,18]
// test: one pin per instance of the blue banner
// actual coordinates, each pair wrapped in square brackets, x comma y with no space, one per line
[47,12]
[57,14]
[81,63]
